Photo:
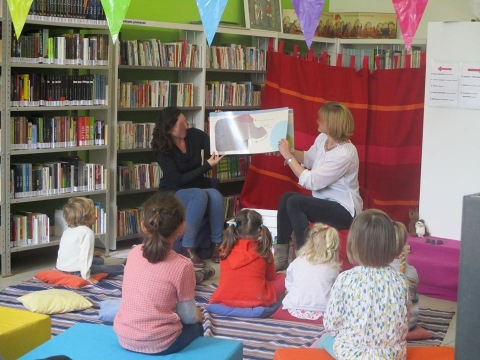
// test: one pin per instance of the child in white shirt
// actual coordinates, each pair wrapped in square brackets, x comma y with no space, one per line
[312,274]
[76,251]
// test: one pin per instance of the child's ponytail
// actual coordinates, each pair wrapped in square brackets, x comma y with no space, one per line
[265,243]
[229,239]
[162,216]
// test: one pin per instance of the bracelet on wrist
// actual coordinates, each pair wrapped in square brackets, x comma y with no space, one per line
[287,161]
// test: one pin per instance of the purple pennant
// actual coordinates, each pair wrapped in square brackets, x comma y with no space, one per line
[308,12]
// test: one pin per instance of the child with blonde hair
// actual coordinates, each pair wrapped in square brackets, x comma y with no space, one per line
[366,316]
[400,264]
[76,251]
[157,313]
[247,269]
[312,274]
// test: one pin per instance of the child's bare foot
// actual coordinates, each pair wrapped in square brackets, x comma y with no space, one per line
[97,253]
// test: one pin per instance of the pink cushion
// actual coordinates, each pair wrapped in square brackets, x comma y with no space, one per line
[282,314]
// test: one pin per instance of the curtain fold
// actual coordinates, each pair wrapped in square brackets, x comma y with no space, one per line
[387,106]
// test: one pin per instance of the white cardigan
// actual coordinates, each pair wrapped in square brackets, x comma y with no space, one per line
[76,250]
[308,285]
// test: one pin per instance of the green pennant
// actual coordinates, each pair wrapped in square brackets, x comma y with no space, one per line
[115,11]
[19,11]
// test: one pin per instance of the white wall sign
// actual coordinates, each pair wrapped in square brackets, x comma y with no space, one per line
[443,91]
[469,90]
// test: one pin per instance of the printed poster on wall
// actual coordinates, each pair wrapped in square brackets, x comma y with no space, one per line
[444,78]
[469,89]
[249,132]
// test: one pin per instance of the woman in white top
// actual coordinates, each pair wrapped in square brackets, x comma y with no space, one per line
[330,170]
[311,275]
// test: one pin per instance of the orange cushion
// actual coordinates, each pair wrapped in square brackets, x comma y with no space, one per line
[431,352]
[301,353]
[57,277]
[413,353]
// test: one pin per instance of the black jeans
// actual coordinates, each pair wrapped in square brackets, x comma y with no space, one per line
[296,211]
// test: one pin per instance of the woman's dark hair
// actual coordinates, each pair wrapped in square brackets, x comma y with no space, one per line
[162,142]
[248,225]
[162,215]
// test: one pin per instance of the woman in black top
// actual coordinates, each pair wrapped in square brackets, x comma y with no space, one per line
[179,154]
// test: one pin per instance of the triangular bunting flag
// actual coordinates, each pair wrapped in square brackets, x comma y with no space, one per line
[115,12]
[211,12]
[409,14]
[19,11]
[308,13]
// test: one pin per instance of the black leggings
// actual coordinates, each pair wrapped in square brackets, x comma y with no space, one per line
[296,211]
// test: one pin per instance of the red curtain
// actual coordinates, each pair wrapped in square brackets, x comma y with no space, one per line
[394,140]
[384,119]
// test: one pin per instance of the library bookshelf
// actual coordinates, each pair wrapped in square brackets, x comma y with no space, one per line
[125,154]
[56,118]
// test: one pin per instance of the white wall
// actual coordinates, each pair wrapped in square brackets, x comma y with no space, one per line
[436,10]
[451,146]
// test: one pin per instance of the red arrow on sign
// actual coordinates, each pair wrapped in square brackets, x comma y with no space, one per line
[442,68]
[478,70]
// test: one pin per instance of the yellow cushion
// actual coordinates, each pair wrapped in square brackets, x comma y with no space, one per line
[54,301]
[22,331]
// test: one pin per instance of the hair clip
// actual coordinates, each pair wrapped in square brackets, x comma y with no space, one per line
[234,224]
[394,222]
[261,225]
[327,227]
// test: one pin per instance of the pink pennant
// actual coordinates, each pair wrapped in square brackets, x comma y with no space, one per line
[308,12]
[409,14]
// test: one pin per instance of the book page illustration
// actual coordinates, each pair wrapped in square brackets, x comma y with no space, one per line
[247,132]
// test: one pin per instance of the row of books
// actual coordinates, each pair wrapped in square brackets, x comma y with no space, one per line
[382,59]
[29,228]
[236,57]
[38,89]
[153,53]
[91,11]
[232,206]
[68,49]
[154,93]
[128,221]
[132,135]
[230,167]
[67,175]
[131,176]
[228,93]
[49,132]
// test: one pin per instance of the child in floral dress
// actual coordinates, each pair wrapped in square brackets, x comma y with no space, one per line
[367,311]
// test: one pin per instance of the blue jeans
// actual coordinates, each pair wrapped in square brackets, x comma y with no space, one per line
[198,204]
[189,333]
[99,267]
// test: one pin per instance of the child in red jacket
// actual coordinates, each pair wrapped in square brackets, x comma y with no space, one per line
[247,270]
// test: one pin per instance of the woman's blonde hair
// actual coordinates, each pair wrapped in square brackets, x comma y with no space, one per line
[339,120]
[401,239]
[322,246]
[248,225]
[78,210]
[371,239]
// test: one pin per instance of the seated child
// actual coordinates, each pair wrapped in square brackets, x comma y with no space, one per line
[400,264]
[158,314]
[367,311]
[311,275]
[247,269]
[76,251]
